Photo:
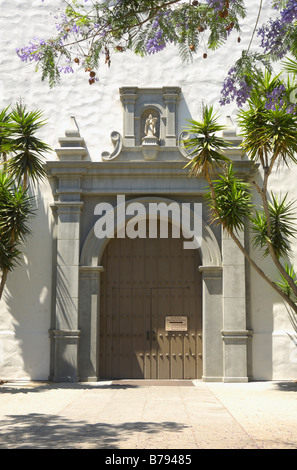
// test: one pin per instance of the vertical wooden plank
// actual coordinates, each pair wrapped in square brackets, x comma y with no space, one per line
[102,323]
[138,329]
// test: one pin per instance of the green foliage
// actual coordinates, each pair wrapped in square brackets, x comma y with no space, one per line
[27,149]
[231,203]
[269,135]
[88,31]
[22,153]
[205,148]
[281,230]
[284,285]
[15,212]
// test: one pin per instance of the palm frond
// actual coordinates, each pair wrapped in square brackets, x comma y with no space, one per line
[205,148]
[282,227]
[231,202]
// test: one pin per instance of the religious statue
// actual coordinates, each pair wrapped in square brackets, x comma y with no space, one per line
[150,125]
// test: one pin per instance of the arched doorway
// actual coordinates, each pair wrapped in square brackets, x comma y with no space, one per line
[150,315]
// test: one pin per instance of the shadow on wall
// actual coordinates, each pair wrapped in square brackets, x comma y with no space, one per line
[264,306]
[27,296]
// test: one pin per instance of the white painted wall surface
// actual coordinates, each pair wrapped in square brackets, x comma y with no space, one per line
[26,307]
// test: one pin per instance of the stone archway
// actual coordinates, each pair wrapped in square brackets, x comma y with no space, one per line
[93,260]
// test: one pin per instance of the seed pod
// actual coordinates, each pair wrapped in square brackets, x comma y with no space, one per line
[238,39]
[192,47]
[92,74]
[195,3]
[91,81]
[204,55]
[76,60]
[200,28]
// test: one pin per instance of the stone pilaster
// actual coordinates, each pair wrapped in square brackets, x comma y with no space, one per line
[171,97]
[68,206]
[65,333]
[89,307]
[212,323]
[234,333]
[129,98]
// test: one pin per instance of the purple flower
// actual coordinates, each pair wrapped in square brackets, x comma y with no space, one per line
[67,69]
[32,51]
[219,5]
[276,98]
[234,88]
[158,42]
[272,35]
[289,13]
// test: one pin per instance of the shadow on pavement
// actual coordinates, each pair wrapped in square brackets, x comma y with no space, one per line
[13,388]
[287,386]
[40,431]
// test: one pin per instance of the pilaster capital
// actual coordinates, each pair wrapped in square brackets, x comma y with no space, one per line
[67,206]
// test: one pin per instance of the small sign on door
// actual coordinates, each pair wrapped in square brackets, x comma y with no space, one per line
[176,323]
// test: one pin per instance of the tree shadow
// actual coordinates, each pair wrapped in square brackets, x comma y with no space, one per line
[35,387]
[42,431]
[287,386]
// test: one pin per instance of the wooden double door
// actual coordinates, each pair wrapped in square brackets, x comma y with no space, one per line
[150,320]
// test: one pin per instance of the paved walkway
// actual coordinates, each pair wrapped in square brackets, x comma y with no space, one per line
[148,415]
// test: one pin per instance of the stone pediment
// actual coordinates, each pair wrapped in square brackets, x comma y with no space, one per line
[150,135]
[150,127]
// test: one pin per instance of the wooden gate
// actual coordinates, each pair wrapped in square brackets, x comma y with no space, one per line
[150,321]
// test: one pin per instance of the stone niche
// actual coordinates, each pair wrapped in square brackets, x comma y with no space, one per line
[158,106]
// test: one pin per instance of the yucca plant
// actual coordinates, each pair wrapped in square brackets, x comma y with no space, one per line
[269,138]
[282,227]
[205,147]
[15,212]
[27,149]
[22,153]
[5,138]
[232,201]
[269,129]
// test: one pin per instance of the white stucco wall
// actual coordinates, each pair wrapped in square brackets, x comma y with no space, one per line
[26,307]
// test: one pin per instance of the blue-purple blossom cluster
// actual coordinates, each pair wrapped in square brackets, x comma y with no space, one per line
[158,42]
[219,5]
[31,52]
[272,34]
[65,27]
[276,97]
[234,88]
[289,13]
